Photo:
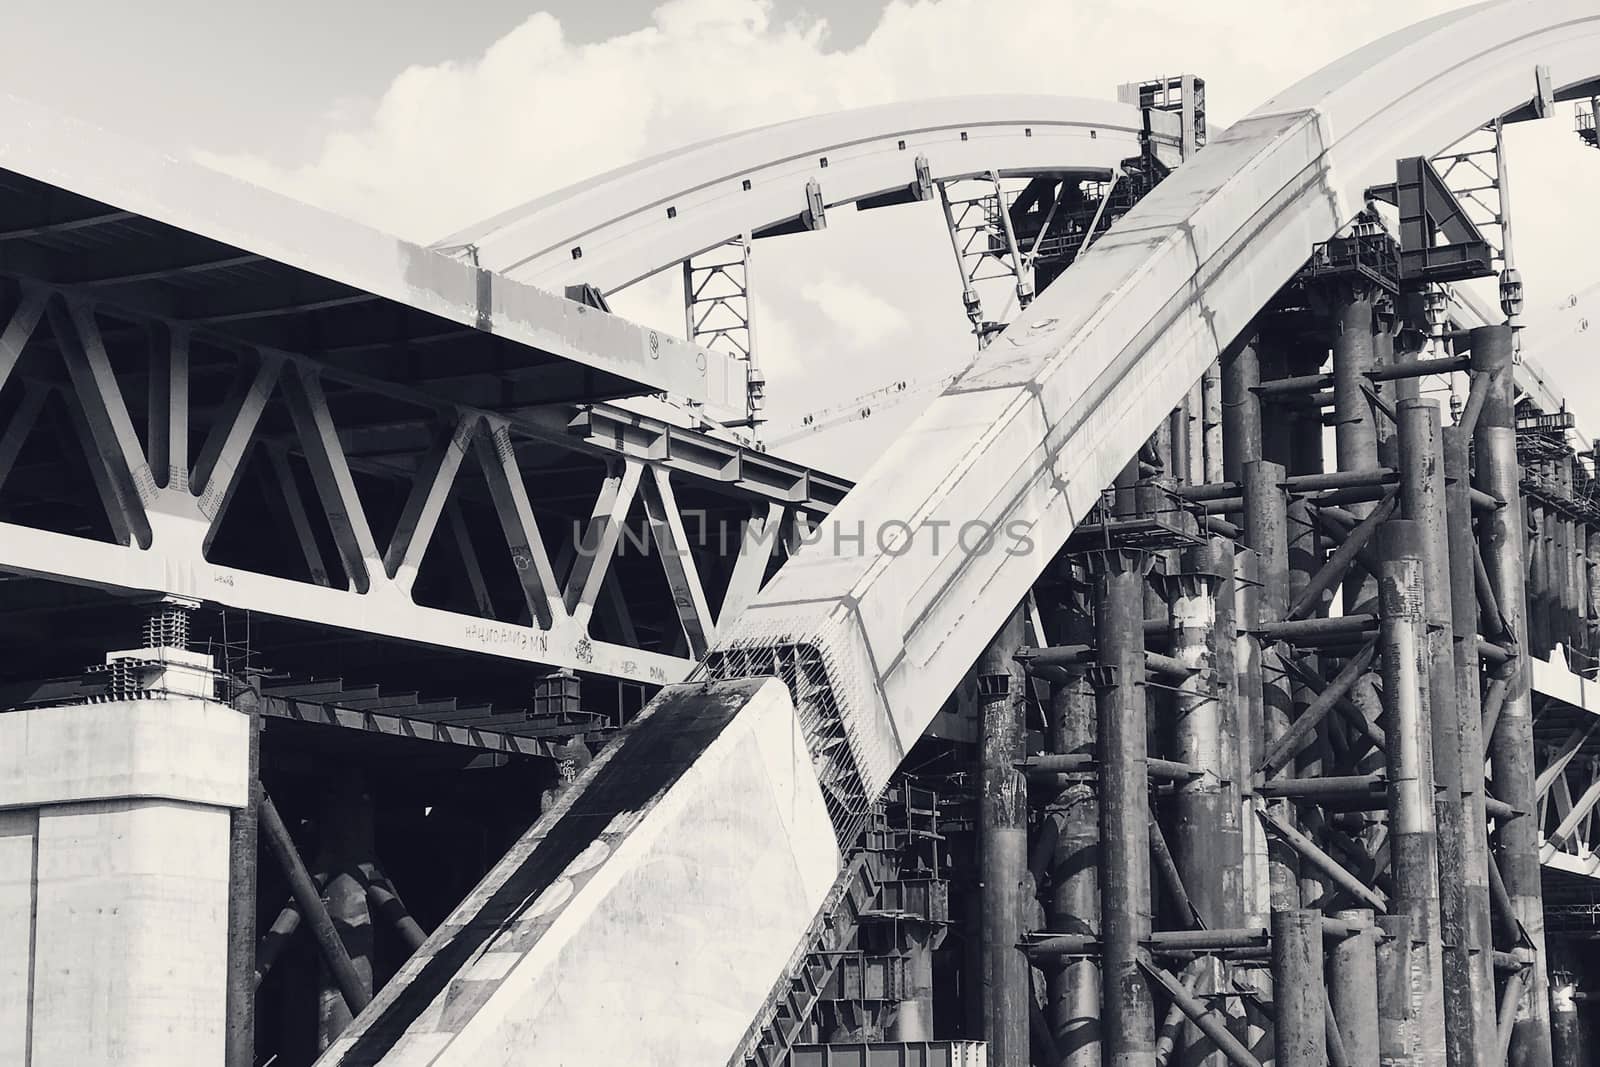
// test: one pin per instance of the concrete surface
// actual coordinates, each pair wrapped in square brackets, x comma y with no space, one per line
[645,919]
[114,882]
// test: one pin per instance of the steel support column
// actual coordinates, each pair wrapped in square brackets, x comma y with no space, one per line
[1128,1008]
[1353,989]
[1003,845]
[1072,984]
[1422,490]
[1412,834]
[240,1048]
[1298,992]
[346,830]
[1511,746]
[1479,929]
[1266,531]
[1241,407]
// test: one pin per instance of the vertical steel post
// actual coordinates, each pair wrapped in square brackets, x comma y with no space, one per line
[1356,433]
[1400,1043]
[1072,984]
[1353,989]
[1537,525]
[1479,929]
[1003,844]
[1412,842]
[1198,848]
[1196,409]
[1241,407]
[1129,1011]
[1300,1036]
[1211,421]
[1180,457]
[346,844]
[1592,595]
[1566,1025]
[1511,748]
[1230,905]
[1247,650]
[1356,437]
[1256,901]
[240,1042]
[1205,840]
[1266,531]
[1422,489]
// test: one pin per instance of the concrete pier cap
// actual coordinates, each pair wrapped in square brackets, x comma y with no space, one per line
[114,821]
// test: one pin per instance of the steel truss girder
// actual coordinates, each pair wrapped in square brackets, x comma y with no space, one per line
[165,513]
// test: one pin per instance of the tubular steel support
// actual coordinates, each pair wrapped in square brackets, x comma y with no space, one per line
[1241,407]
[1205,838]
[240,1048]
[1422,495]
[1300,1034]
[1266,526]
[1003,845]
[1207,1021]
[1412,833]
[309,900]
[1128,1009]
[1511,744]
[1072,985]
[1353,990]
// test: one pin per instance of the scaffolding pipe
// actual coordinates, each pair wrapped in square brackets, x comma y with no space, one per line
[1510,1014]
[1511,745]
[1309,632]
[1286,746]
[272,942]
[1209,1024]
[385,902]
[1003,845]
[1334,786]
[1266,523]
[309,900]
[1300,1036]
[1309,850]
[1422,492]
[1464,615]
[1128,1010]
[1161,855]
[1339,562]
[240,1035]
[1202,847]
[1353,989]
[1400,1022]
[1412,831]
[1072,986]
[1241,406]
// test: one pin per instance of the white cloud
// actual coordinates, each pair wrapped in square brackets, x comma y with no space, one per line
[449,144]
[866,318]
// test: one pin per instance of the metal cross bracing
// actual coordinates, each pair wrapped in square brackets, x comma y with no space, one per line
[718,313]
[977,218]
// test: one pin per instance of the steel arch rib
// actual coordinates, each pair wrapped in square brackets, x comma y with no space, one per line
[1029,434]
[612,230]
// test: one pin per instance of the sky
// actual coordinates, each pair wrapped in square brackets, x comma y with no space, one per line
[420,118]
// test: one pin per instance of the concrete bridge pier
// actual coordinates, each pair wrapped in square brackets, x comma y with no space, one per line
[114,823]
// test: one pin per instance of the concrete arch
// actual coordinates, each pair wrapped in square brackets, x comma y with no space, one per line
[615,229]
